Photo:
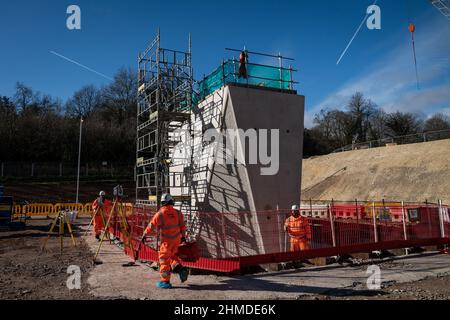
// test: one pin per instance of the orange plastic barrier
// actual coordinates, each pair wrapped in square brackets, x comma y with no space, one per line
[38,210]
[17,211]
[87,210]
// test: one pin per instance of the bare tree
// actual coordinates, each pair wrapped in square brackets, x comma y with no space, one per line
[120,96]
[8,128]
[377,125]
[83,102]
[23,96]
[360,110]
[437,122]
[335,127]
[402,124]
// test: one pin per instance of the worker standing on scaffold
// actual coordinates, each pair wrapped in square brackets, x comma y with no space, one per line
[298,229]
[170,223]
[101,203]
[243,61]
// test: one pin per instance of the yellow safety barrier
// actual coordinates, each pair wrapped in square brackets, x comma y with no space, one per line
[50,210]
[17,211]
[128,207]
[87,210]
[71,206]
[38,210]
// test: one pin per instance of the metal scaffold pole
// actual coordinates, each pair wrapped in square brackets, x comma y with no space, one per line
[163,124]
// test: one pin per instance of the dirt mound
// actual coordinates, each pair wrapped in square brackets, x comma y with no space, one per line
[414,172]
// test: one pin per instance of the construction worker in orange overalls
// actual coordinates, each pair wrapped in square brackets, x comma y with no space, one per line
[243,60]
[170,223]
[298,229]
[100,206]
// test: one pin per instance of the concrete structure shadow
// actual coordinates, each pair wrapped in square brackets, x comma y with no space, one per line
[252,285]
[373,262]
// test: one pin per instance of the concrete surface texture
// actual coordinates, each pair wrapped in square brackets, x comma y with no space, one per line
[241,185]
[246,184]
[414,172]
[112,280]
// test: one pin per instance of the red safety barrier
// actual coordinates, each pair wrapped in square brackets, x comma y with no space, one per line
[227,242]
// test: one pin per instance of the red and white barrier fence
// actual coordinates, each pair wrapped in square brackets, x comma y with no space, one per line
[230,241]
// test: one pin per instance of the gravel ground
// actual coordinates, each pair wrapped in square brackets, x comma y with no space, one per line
[29,274]
[411,172]
[26,273]
[432,288]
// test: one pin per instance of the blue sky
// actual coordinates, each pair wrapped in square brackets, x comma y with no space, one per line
[379,63]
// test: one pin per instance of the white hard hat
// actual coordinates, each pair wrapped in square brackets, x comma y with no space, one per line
[165,198]
[295,207]
[102,193]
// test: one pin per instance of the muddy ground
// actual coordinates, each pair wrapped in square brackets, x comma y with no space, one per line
[28,274]
[432,288]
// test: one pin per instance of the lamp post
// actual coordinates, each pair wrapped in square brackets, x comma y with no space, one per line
[79,159]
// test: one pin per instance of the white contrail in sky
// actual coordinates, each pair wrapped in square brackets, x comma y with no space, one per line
[81,65]
[354,36]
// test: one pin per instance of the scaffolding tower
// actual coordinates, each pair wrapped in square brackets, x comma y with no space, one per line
[443,6]
[165,91]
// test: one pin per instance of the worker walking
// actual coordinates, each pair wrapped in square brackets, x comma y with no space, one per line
[101,208]
[172,229]
[298,229]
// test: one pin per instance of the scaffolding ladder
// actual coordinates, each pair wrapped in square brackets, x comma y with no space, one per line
[165,79]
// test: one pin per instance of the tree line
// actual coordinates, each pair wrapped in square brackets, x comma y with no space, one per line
[361,120]
[40,128]
[36,127]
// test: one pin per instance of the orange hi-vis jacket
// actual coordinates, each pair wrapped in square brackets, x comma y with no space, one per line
[98,220]
[298,227]
[170,222]
[243,57]
[106,206]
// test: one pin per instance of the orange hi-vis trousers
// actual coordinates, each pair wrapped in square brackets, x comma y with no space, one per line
[98,223]
[299,243]
[171,223]
[168,258]
[99,211]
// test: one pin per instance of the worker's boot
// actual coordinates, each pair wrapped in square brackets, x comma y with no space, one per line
[184,274]
[97,236]
[163,285]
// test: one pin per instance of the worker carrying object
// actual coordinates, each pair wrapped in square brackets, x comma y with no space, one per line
[243,60]
[172,229]
[298,229]
[101,208]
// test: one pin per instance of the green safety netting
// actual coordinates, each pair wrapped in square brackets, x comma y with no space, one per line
[184,104]
[258,75]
